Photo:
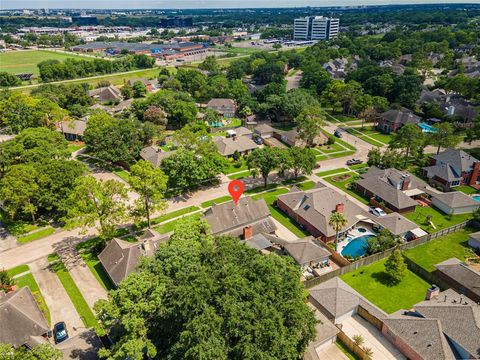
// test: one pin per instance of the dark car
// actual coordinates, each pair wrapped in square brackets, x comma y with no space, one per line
[337,133]
[258,140]
[354,162]
[60,332]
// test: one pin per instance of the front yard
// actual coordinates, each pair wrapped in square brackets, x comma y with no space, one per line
[439,219]
[372,282]
[344,181]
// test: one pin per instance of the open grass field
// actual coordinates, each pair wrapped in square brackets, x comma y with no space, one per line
[372,282]
[17,62]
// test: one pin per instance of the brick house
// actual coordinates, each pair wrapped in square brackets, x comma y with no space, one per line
[225,107]
[392,120]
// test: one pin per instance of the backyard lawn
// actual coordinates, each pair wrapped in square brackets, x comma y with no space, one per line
[467,189]
[372,282]
[440,249]
[439,219]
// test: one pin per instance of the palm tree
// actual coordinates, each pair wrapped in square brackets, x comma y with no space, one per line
[337,222]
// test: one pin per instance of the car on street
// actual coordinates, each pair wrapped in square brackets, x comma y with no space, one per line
[377,211]
[354,162]
[337,133]
[60,332]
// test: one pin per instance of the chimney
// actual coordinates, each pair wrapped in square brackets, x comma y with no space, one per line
[474,174]
[340,208]
[432,292]
[247,232]
[405,182]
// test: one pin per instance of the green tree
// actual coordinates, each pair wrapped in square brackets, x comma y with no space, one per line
[384,241]
[303,160]
[139,89]
[309,125]
[374,157]
[7,79]
[156,116]
[337,221]
[127,92]
[409,138]
[150,184]
[263,161]
[39,352]
[210,64]
[395,266]
[199,298]
[444,136]
[99,201]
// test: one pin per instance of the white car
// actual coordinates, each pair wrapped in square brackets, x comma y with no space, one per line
[377,211]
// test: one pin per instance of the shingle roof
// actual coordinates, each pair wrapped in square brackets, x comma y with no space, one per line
[317,205]
[120,258]
[264,129]
[306,250]
[228,218]
[459,159]
[403,116]
[455,199]
[221,103]
[442,171]
[396,223]
[106,93]
[261,241]
[228,146]
[155,155]
[20,318]
[242,131]
[463,274]
[75,127]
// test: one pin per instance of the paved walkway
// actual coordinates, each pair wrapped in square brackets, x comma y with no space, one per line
[58,302]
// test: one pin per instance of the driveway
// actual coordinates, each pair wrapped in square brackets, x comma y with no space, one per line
[83,346]
[381,347]
[331,352]
[58,302]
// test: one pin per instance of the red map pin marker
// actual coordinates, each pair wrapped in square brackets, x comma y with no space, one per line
[235,188]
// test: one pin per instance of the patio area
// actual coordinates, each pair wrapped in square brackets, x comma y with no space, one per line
[360,230]
[382,349]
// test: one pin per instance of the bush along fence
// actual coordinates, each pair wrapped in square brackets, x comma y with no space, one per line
[382,255]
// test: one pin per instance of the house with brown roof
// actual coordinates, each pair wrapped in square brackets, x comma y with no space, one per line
[228,146]
[73,130]
[461,277]
[245,219]
[292,138]
[312,209]
[265,131]
[21,321]
[120,258]
[225,107]
[106,94]
[155,155]
[392,120]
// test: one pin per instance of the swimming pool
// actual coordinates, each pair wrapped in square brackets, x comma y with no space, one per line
[476,197]
[357,247]
[427,128]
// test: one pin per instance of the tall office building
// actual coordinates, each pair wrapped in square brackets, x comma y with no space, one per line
[315,28]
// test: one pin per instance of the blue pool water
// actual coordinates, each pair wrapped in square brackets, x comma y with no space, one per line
[357,246]
[476,197]
[427,128]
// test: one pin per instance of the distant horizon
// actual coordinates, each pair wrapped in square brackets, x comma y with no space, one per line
[209,4]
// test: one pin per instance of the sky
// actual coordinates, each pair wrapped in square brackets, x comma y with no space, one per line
[196,4]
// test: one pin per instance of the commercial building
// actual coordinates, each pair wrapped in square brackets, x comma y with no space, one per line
[315,28]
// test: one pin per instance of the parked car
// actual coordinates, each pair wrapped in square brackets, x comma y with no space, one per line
[258,140]
[60,332]
[337,133]
[354,161]
[377,211]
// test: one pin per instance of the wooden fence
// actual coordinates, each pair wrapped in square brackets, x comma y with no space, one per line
[382,255]
[349,343]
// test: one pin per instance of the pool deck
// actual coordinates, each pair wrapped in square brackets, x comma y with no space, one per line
[352,235]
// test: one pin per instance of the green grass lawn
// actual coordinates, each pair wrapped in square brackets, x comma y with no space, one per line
[97,270]
[29,280]
[18,270]
[372,282]
[330,148]
[331,172]
[73,147]
[343,185]
[440,249]
[439,219]
[16,62]
[219,200]
[18,227]
[35,235]
[358,166]
[240,175]
[75,295]
[343,348]
[174,214]
[233,169]
[307,185]
[170,226]
[467,189]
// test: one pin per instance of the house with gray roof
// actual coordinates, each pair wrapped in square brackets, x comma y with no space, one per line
[461,277]
[312,209]
[451,168]
[265,131]
[392,120]
[120,258]
[154,155]
[73,130]
[474,240]
[228,146]
[106,94]
[400,226]
[306,252]
[292,138]
[454,202]
[21,320]
[394,188]
[245,219]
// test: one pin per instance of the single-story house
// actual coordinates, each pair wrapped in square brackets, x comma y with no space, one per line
[106,94]
[455,202]
[312,209]
[154,155]
[452,168]
[151,85]
[120,258]
[72,129]
[240,131]
[400,226]
[245,219]
[225,107]
[21,321]
[474,240]
[306,252]
[461,277]
[228,146]
[391,187]
[392,120]
[122,106]
[265,131]
[292,138]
